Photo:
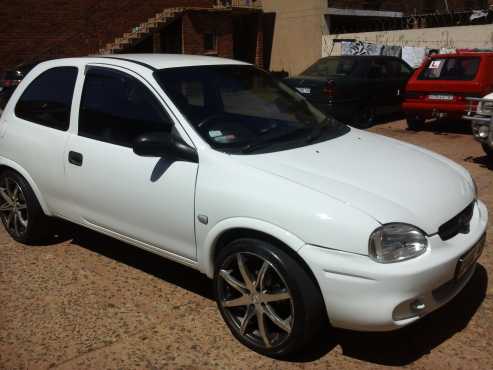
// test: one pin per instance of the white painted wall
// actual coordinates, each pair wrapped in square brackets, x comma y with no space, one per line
[435,38]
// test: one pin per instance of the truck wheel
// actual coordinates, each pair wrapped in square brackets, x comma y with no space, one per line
[267,299]
[20,211]
[488,150]
[415,123]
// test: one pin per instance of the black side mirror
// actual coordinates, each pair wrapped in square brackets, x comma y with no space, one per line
[164,144]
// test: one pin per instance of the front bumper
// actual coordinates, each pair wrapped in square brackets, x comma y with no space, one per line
[361,294]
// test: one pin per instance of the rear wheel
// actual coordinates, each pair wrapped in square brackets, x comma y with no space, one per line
[267,299]
[20,211]
[365,117]
[415,123]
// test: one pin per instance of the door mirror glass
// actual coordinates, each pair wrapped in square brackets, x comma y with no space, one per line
[164,144]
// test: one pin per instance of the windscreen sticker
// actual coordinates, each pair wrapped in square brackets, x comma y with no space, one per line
[215,133]
[226,139]
[435,64]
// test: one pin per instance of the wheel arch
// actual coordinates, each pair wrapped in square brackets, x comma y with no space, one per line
[228,230]
[6,164]
[232,229]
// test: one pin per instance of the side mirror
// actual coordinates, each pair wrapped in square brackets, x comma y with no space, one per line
[164,144]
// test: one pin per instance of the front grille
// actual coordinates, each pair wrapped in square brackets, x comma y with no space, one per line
[457,225]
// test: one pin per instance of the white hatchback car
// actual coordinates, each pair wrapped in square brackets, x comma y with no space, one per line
[212,163]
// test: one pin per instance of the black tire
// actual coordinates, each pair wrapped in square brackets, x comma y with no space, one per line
[305,304]
[489,151]
[22,207]
[415,123]
[365,117]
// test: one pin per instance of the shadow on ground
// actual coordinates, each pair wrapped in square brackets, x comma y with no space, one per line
[448,127]
[483,161]
[172,272]
[395,348]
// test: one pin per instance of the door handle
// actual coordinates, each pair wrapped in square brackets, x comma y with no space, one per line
[75,158]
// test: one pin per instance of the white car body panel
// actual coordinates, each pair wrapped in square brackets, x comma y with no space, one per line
[330,168]
[323,200]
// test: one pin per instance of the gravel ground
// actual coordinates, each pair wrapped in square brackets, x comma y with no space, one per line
[87,301]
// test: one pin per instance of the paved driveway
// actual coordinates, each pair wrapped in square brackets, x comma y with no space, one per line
[87,301]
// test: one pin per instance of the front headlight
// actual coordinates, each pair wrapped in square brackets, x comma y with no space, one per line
[396,242]
[485,107]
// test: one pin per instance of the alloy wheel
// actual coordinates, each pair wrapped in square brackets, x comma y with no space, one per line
[256,299]
[13,207]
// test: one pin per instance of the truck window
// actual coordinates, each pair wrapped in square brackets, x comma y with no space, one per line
[452,69]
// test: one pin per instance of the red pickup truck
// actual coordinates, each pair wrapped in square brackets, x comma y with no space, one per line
[439,88]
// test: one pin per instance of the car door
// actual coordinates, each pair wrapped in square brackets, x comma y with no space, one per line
[146,201]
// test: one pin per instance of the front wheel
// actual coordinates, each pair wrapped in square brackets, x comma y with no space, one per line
[268,300]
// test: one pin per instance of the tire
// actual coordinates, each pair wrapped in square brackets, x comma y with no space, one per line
[295,301]
[415,123]
[489,151]
[20,211]
[365,117]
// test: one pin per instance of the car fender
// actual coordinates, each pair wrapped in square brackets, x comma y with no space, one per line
[16,167]
[206,253]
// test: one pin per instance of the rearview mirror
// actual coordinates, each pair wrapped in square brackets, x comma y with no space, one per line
[164,144]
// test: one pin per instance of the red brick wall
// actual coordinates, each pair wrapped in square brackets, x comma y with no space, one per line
[30,29]
[196,24]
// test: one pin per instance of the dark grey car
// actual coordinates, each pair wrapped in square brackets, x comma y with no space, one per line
[355,89]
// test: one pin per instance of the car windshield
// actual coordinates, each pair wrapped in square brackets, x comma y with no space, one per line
[241,109]
[331,67]
[452,69]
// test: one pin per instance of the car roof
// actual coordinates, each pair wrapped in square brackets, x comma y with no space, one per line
[161,61]
[463,54]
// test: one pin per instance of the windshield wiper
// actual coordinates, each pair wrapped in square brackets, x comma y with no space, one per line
[319,132]
[269,141]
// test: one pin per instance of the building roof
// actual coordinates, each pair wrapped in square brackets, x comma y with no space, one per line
[161,61]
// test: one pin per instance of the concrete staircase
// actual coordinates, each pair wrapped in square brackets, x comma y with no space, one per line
[142,30]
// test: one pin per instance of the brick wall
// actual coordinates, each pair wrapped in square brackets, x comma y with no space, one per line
[196,24]
[32,29]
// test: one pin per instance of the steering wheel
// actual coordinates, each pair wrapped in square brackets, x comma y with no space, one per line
[207,121]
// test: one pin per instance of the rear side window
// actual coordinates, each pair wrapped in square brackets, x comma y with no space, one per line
[452,69]
[48,99]
[117,108]
[331,67]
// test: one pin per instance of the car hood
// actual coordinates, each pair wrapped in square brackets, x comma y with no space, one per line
[386,179]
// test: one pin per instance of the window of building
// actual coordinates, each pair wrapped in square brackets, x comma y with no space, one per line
[210,43]
[117,108]
[48,99]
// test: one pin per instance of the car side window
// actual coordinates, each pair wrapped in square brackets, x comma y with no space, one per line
[117,108]
[48,99]
[399,69]
[378,70]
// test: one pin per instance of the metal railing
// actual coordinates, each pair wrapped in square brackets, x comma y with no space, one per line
[238,4]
